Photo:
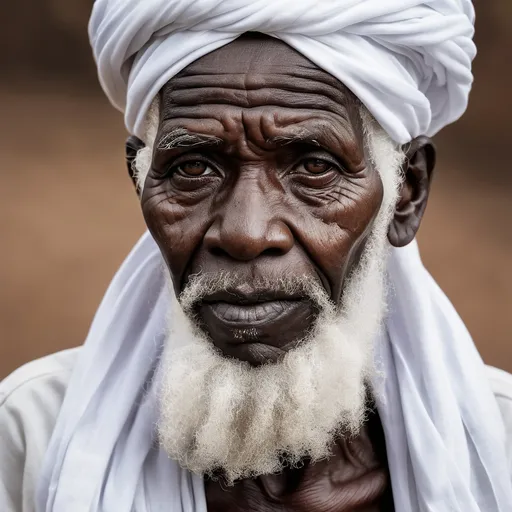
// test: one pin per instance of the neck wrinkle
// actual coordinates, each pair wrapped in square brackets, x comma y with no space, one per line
[355,477]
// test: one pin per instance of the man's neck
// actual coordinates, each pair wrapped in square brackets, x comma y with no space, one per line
[355,477]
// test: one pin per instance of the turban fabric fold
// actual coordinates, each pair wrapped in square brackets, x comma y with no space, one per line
[408,61]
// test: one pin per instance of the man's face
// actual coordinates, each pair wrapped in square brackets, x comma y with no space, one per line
[259,170]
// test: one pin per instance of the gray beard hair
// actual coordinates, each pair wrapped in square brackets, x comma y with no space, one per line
[221,414]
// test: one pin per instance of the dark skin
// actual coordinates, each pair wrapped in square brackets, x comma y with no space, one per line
[354,478]
[259,168]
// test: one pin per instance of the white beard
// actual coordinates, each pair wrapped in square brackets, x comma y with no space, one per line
[218,413]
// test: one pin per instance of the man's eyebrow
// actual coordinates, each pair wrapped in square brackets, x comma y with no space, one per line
[322,139]
[181,138]
[319,137]
[305,138]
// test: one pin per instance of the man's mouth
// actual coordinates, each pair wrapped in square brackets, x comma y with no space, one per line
[256,326]
[241,315]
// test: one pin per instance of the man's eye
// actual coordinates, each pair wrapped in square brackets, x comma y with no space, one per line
[194,168]
[316,165]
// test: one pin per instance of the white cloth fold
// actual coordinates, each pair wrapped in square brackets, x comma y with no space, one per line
[444,434]
[102,455]
[408,61]
[443,429]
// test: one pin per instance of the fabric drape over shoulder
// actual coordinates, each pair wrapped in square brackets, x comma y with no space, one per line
[409,61]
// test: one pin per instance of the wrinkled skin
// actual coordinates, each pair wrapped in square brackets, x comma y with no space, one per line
[354,478]
[277,181]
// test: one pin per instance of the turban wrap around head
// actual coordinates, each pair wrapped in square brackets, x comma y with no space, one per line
[409,61]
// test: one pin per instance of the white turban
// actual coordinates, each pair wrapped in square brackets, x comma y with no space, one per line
[408,61]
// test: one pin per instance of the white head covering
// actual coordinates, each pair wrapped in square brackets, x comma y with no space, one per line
[409,61]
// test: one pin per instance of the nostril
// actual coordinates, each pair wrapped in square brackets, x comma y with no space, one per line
[218,251]
[272,251]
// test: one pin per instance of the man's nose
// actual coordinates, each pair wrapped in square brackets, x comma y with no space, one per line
[248,226]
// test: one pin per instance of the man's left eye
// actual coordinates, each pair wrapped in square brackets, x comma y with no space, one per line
[194,168]
[316,165]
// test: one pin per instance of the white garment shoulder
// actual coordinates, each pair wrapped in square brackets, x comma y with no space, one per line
[30,400]
[501,385]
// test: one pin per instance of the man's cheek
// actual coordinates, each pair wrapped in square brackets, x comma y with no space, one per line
[334,244]
[165,219]
[335,236]
[353,204]
[178,242]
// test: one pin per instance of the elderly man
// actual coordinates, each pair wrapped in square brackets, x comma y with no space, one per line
[273,342]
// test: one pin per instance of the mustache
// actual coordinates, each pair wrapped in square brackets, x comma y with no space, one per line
[212,286]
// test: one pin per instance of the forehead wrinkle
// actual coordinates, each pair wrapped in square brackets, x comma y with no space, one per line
[172,98]
[323,82]
[219,120]
[254,141]
[253,59]
[235,89]
[294,105]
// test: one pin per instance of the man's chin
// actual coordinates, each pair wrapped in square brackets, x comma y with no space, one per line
[257,333]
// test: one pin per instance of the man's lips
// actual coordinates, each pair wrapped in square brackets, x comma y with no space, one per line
[256,326]
[250,308]
[241,315]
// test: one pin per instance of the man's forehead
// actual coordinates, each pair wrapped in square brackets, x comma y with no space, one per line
[267,86]
[254,60]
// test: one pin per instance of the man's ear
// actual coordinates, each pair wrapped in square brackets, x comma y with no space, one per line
[417,170]
[133,145]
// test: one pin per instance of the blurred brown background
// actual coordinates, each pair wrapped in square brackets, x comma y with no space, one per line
[68,214]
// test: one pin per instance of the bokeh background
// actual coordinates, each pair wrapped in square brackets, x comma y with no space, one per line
[69,215]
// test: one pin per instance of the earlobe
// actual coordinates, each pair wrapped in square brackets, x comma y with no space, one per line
[417,170]
[132,146]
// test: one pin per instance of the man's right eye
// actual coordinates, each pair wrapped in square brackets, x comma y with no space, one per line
[316,165]
[192,169]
